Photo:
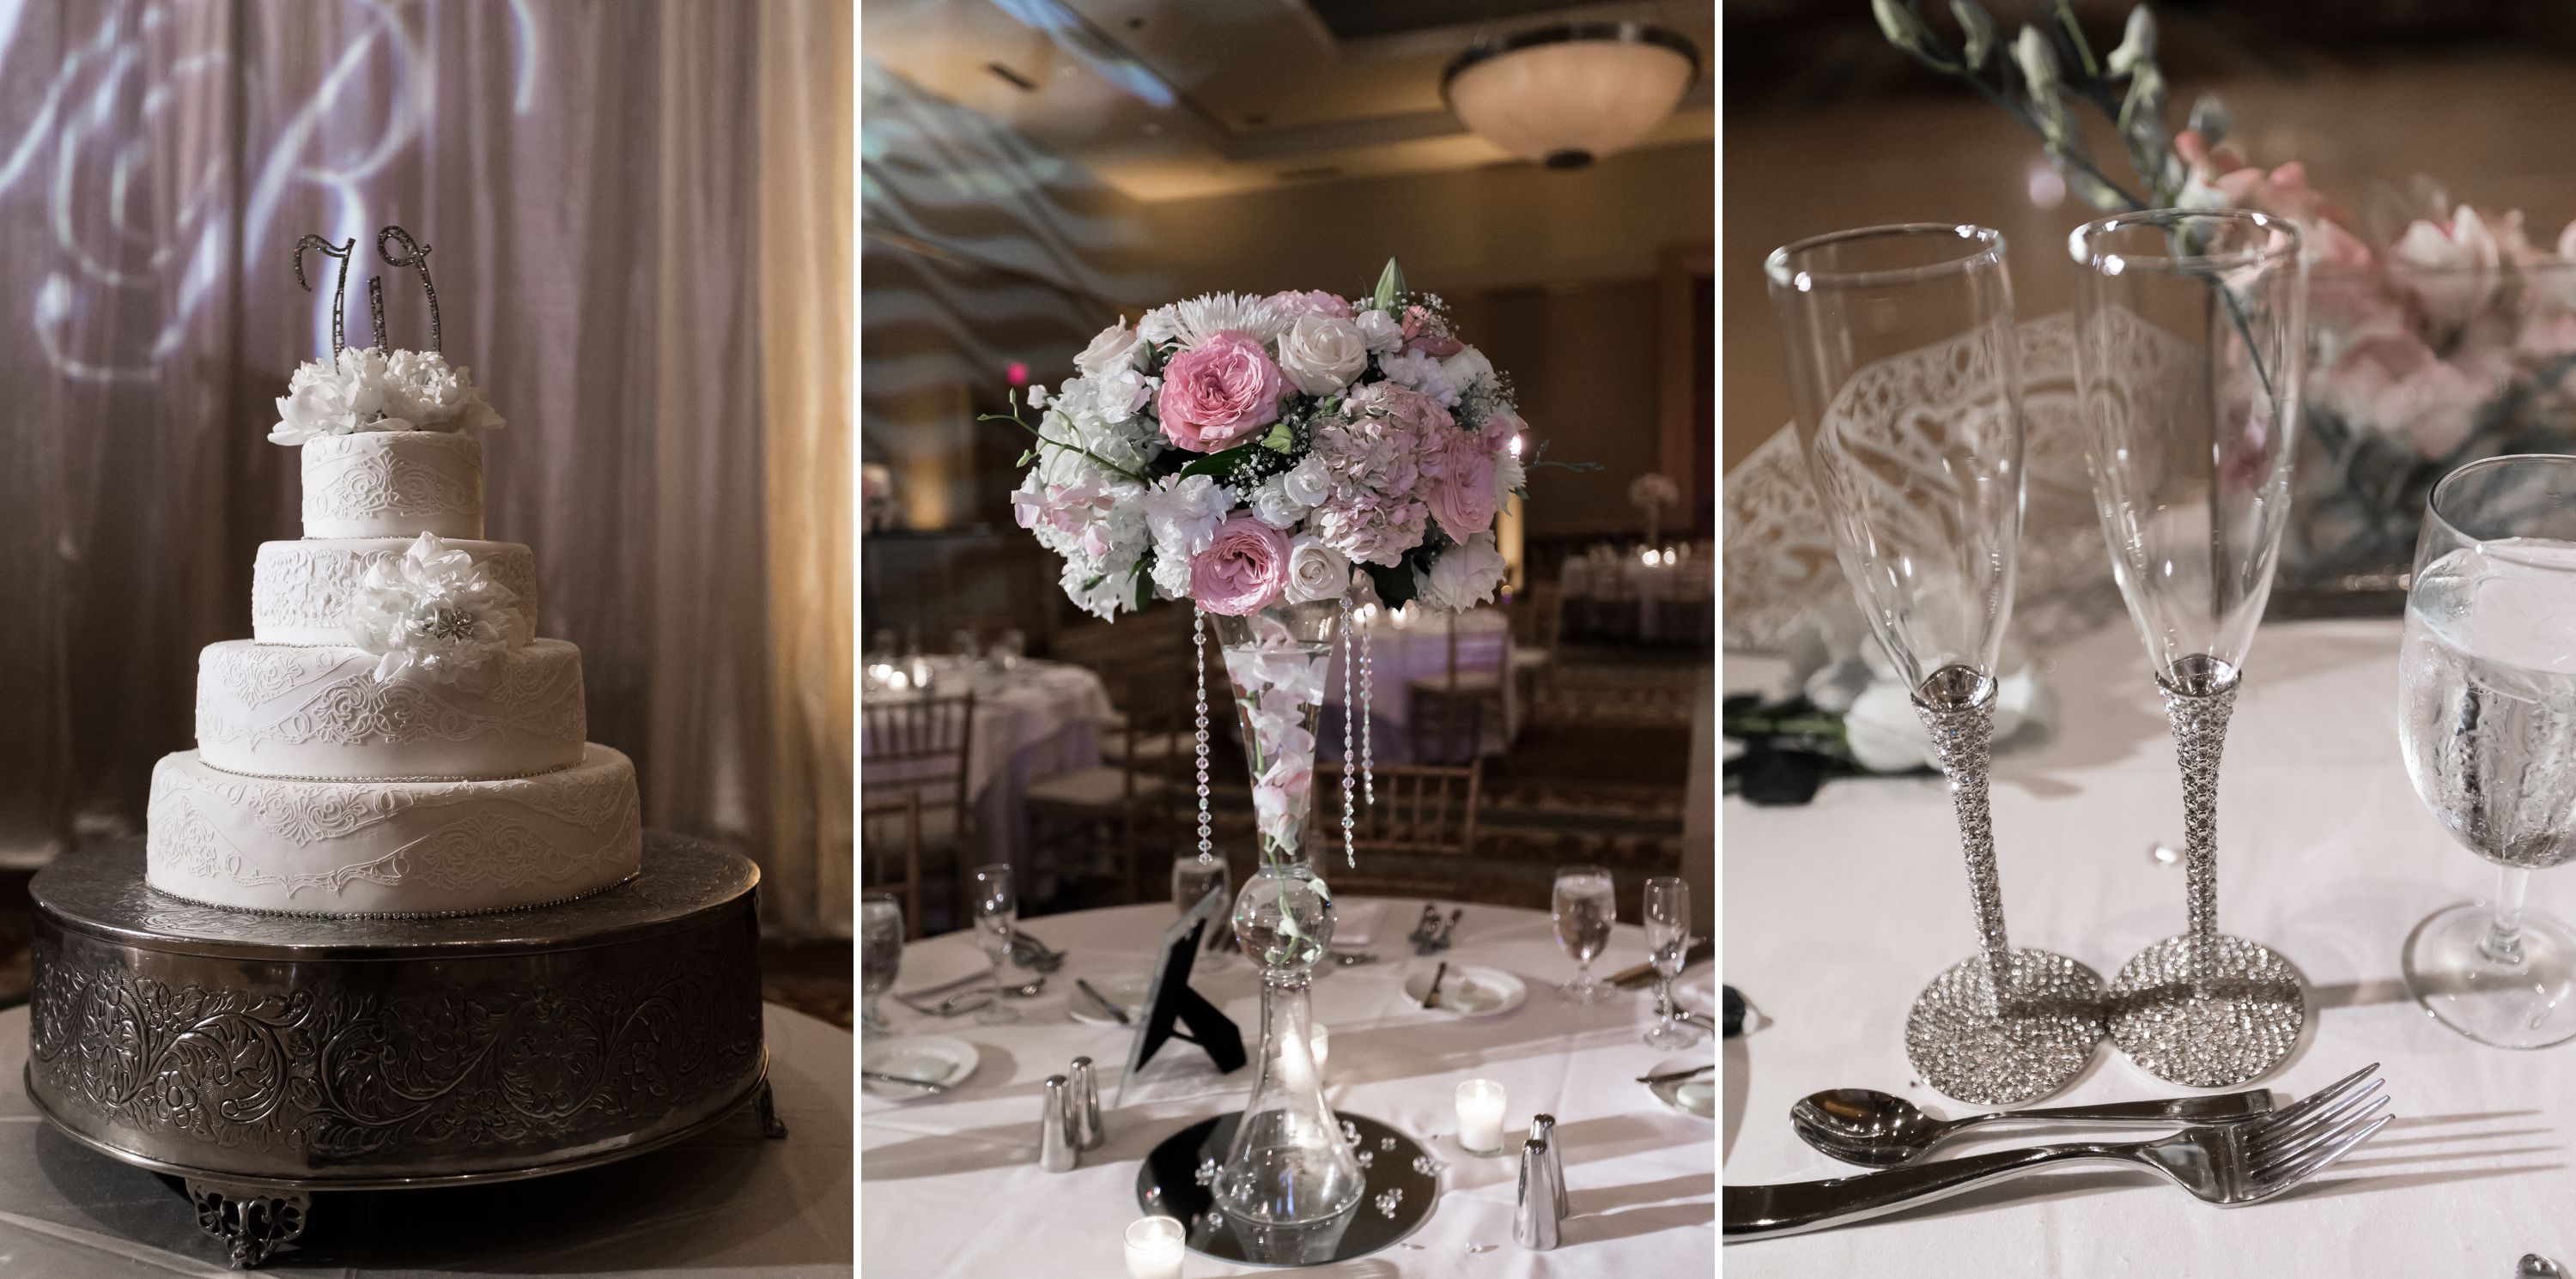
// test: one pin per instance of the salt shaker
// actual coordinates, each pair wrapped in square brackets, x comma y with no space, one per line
[1534,1212]
[1056,1149]
[1543,1128]
[1085,1106]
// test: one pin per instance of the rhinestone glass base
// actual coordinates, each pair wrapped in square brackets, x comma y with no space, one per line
[2256,1008]
[2051,1023]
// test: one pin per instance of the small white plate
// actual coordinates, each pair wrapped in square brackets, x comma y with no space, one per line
[1468,991]
[933,966]
[1696,1095]
[1126,992]
[932,1059]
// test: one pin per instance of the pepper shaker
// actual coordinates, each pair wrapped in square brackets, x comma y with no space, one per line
[1085,1106]
[1534,1213]
[1056,1149]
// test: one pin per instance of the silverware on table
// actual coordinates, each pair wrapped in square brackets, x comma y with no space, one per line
[2225,1164]
[1036,956]
[952,1006]
[1871,1128]
[922,1084]
[1351,958]
[1675,1076]
[1643,975]
[1025,989]
[1103,1000]
[1426,931]
[2535,1266]
[1431,993]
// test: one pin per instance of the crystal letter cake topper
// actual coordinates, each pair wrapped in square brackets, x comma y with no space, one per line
[416,256]
[340,292]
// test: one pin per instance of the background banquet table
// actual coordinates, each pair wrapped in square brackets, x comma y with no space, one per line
[728,1202]
[1415,648]
[951,1184]
[1838,912]
[1033,721]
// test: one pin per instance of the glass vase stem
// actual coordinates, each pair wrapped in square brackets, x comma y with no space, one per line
[2197,709]
[1963,735]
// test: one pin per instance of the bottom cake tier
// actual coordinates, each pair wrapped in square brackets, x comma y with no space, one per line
[391,848]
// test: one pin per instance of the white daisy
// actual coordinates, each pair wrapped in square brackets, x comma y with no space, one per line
[1209,314]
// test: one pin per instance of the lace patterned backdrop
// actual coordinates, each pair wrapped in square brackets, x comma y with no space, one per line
[1778,547]
[641,219]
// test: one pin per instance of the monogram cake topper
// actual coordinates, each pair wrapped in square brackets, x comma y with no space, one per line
[414,255]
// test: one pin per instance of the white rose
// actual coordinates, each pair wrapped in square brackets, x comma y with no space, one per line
[1117,347]
[1884,733]
[1468,367]
[1308,482]
[1382,332]
[1322,353]
[1275,506]
[1316,571]
[1464,576]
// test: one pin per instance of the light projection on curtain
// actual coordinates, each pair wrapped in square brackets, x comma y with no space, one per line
[141,99]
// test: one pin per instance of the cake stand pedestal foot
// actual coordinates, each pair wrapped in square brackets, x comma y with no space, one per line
[254,1224]
[765,1105]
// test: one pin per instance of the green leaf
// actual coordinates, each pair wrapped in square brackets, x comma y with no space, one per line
[1394,585]
[1389,283]
[1280,439]
[1223,463]
[1026,456]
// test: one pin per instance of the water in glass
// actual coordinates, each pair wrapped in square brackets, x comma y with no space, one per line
[880,956]
[2489,687]
[1586,905]
[1668,921]
[997,913]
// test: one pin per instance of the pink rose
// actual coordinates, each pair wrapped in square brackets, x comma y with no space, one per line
[1218,392]
[1462,495]
[1426,333]
[1312,302]
[1244,570]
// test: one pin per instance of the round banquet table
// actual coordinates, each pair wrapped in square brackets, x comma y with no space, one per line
[951,1187]
[1838,912]
[1037,720]
[728,1203]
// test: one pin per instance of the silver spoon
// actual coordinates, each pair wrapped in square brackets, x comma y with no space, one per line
[1871,1128]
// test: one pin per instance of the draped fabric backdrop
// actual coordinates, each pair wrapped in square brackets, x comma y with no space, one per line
[636,209]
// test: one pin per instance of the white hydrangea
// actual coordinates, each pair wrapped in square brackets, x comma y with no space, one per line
[1420,372]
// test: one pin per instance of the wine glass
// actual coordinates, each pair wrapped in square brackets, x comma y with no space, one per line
[996,911]
[1668,921]
[1905,368]
[1586,905]
[880,957]
[2190,342]
[2488,691]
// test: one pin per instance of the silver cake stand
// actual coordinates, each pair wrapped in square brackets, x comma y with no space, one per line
[266,1057]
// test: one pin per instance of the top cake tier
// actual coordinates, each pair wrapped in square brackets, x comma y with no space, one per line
[393,484]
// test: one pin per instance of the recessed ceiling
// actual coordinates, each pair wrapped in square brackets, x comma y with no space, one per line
[1173,99]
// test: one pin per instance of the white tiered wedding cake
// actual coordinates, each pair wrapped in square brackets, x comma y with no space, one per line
[393,739]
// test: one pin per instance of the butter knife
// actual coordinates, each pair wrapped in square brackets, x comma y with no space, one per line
[1643,975]
[1431,997]
[1102,1000]
[922,1084]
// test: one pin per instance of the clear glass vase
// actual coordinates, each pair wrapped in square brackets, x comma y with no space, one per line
[1288,1163]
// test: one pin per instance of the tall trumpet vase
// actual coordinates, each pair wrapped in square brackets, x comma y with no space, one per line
[2190,347]
[1905,367]
[1289,1163]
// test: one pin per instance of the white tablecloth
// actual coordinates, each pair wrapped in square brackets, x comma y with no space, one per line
[1418,650]
[1838,912]
[951,1184]
[729,1203]
[1037,720]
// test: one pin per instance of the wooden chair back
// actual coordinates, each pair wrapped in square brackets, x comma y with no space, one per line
[1420,809]
[890,855]
[920,747]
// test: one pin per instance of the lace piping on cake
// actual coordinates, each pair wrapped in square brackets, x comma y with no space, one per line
[309,812]
[480,852]
[388,481]
[542,700]
[297,585]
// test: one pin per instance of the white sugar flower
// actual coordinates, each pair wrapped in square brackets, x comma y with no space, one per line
[1209,314]
[434,612]
[348,394]
[433,395]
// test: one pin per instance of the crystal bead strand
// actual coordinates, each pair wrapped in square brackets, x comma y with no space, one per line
[1368,729]
[1198,644]
[1350,658]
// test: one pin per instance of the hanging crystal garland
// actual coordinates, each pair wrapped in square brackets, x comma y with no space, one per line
[1350,821]
[1368,728]
[1198,643]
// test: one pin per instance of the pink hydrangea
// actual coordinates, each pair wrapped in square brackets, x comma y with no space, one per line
[1375,506]
[1245,570]
[1311,302]
[1218,393]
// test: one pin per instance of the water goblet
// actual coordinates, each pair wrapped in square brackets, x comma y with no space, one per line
[1905,369]
[1668,920]
[2487,688]
[2190,342]
[880,957]
[1586,905]
[996,906]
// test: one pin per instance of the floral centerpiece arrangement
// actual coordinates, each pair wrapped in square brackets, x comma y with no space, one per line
[2442,333]
[1269,460]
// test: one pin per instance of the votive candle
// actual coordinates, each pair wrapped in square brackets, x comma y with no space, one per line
[1480,1116]
[1320,1041]
[1154,1246]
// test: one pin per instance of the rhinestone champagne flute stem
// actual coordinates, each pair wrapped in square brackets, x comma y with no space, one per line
[2205,1009]
[2001,1026]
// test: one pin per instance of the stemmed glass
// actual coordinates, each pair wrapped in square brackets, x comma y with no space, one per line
[2190,341]
[1668,920]
[1586,905]
[2488,686]
[1905,368]
[997,912]
[880,957]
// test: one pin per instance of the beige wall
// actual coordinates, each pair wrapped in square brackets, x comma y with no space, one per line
[1584,362]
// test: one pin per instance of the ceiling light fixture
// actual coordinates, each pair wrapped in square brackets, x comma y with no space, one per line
[1566,95]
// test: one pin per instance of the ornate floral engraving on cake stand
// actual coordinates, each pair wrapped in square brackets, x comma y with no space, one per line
[263,1058]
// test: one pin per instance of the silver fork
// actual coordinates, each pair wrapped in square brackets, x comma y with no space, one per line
[2225,1164]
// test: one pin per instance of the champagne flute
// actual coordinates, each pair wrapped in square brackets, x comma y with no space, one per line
[1905,368]
[880,957]
[997,912]
[1586,904]
[1668,921]
[2488,719]
[2190,341]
